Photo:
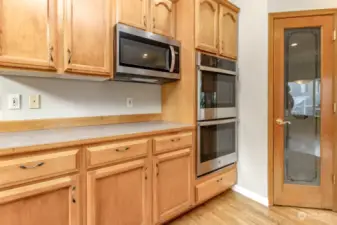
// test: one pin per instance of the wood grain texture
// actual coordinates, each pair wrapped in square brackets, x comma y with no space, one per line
[52,202]
[167,143]
[163,17]
[37,166]
[120,194]
[206,25]
[216,185]
[88,37]
[133,13]
[232,208]
[334,207]
[27,125]
[172,184]
[292,194]
[179,98]
[117,151]
[28,36]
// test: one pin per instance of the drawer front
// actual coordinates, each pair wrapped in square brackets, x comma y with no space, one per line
[116,152]
[21,169]
[216,185]
[172,142]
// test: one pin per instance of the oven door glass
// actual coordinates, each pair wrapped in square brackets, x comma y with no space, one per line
[143,53]
[217,140]
[217,90]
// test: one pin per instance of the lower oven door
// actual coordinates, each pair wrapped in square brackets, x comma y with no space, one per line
[217,145]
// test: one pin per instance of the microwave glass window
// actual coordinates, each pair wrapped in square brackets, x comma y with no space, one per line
[217,90]
[217,141]
[137,54]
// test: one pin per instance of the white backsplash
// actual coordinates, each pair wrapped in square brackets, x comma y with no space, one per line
[73,98]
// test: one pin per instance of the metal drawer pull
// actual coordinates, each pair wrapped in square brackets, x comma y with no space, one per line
[157,169]
[73,194]
[122,150]
[31,167]
[219,180]
[174,140]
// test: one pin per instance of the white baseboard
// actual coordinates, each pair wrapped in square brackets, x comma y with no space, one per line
[251,195]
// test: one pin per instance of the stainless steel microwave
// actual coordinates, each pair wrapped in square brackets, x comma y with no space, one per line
[145,57]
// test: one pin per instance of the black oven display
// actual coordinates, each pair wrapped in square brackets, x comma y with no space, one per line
[217,141]
[217,90]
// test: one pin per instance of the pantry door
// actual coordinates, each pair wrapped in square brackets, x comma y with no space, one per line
[303,111]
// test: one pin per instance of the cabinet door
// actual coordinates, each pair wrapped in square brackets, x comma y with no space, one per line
[206,27]
[172,184]
[163,17]
[28,34]
[119,195]
[87,35]
[53,202]
[133,13]
[228,32]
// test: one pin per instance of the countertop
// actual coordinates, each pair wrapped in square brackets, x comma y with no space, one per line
[35,140]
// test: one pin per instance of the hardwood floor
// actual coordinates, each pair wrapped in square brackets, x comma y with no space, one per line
[234,209]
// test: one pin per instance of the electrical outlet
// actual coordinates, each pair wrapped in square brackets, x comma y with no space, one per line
[14,101]
[34,101]
[129,102]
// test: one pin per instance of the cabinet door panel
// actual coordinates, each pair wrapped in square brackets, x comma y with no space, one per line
[87,37]
[228,32]
[172,184]
[206,27]
[53,202]
[133,13]
[28,34]
[163,17]
[120,194]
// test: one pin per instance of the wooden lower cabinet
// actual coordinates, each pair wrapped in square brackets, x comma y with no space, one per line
[172,189]
[53,202]
[119,195]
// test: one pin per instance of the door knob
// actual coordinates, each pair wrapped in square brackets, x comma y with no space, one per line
[280,121]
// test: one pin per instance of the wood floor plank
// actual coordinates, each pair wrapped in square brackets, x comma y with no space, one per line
[232,208]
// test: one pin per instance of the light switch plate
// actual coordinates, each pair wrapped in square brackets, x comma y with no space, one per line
[34,102]
[14,101]
[129,102]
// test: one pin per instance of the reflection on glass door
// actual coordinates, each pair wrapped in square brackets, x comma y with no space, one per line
[302,74]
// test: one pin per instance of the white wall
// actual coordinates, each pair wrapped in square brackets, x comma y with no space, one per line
[253,96]
[253,90]
[294,5]
[71,98]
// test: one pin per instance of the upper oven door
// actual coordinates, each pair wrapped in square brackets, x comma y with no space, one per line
[139,51]
[217,95]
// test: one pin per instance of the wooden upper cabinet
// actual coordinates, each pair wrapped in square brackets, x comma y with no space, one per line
[163,17]
[228,31]
[206,27]
[53,202]
[119,194]
[87,34]
[28,34]
[133,13]
[172,184]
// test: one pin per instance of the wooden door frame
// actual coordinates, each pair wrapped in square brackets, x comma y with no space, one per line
[271,18]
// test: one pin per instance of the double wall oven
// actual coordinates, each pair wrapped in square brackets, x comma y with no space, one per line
[217,113]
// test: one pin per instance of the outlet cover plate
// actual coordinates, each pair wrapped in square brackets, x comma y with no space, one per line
[14,101]
[129,102]
[34,102]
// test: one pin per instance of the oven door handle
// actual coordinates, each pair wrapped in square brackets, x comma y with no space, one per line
[173,59]
[217,70]
[216,122]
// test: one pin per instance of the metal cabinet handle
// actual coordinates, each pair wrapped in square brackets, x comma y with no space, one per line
[154,23]
[31,167]
[145,23]
[145,172]
[176,139]
[280,121]
[157,167]
[73,190]
[122,150]
[69,56]
[51,49]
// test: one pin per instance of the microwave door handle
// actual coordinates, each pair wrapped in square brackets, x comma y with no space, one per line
[173,59]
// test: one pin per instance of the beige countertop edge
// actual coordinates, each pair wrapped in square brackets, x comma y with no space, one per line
[75,143]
